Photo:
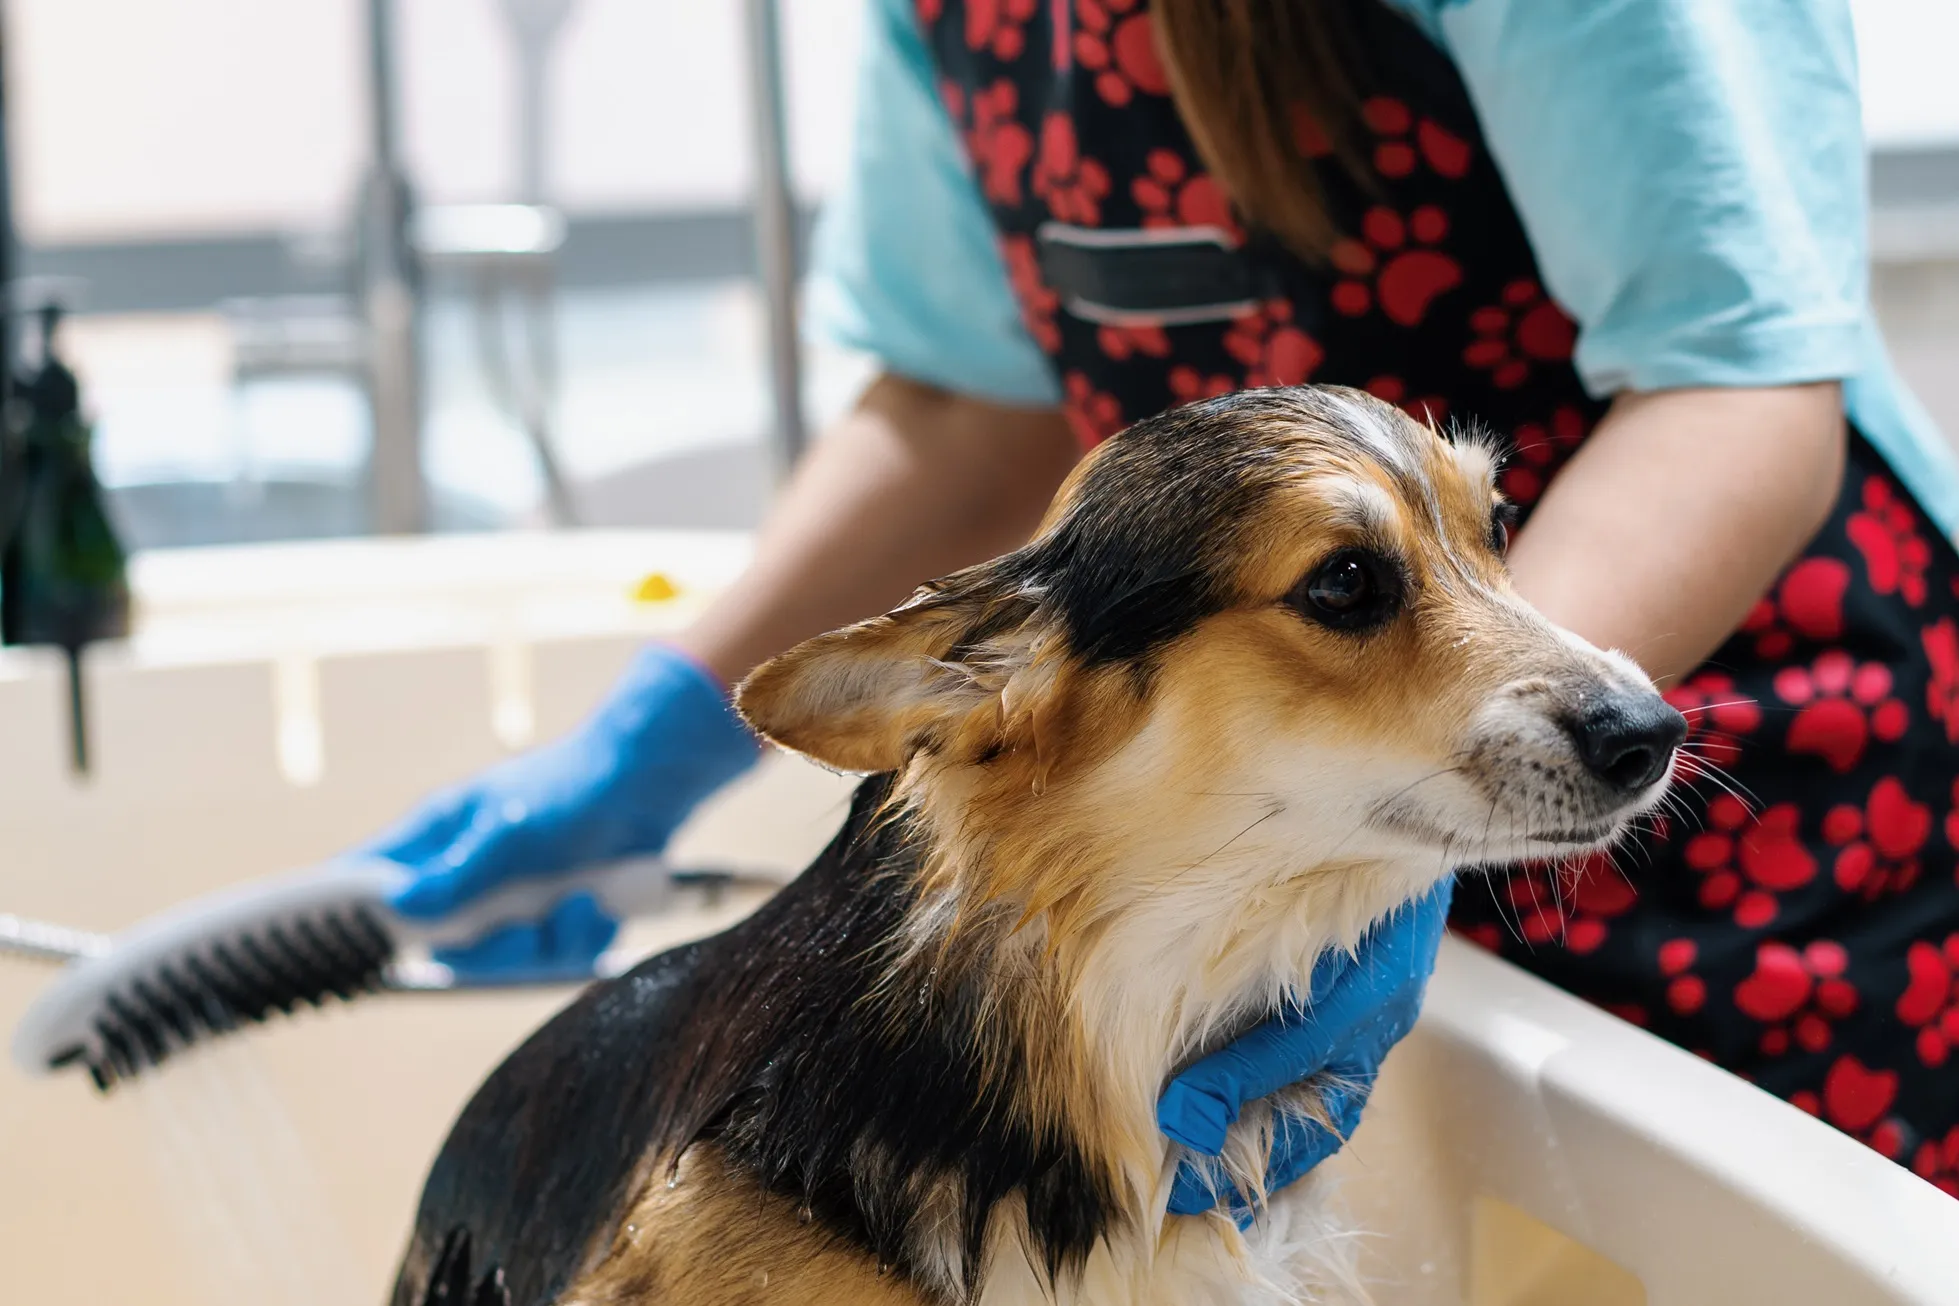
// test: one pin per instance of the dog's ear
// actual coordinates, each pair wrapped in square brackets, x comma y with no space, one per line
[927,674]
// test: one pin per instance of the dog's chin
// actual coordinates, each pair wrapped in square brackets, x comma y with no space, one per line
[1579,840]
[1495,835]
[1475,846]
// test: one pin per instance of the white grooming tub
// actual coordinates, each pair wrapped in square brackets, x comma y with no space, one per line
[281,702]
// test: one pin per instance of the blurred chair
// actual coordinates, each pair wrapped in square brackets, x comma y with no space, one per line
[505,253]
[506,256]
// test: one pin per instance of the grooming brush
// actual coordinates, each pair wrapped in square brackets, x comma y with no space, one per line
[217,963]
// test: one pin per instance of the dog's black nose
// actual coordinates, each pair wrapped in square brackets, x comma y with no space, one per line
[1627,740]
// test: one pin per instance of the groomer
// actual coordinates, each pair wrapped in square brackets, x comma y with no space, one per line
[1628,238]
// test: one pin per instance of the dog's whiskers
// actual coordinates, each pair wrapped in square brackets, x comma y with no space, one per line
[1700,768]
[1375,810]
[1699,709]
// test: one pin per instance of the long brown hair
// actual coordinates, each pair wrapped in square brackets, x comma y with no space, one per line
[1265,87]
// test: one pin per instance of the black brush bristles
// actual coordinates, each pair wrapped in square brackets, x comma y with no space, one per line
[223,985]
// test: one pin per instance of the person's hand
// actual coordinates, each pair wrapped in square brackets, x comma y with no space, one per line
[1357,1009]
[615,787]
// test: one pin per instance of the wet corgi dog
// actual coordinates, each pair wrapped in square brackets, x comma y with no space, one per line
[1259,681]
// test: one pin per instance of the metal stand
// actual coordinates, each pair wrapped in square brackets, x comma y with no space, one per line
[775,229]
[9,456]
[534,26]
[390,301]
[507,251]
[515,260]
[6,256]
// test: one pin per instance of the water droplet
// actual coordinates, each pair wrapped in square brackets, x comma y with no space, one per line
[883,1268]
[804,1215]
[673,1182]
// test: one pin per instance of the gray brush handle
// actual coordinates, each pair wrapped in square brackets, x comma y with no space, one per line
[41,941]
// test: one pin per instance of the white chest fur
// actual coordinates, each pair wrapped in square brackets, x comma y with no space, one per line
[1301,1250]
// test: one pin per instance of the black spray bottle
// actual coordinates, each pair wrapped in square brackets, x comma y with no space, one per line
[63,571]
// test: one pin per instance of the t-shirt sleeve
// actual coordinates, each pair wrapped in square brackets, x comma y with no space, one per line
[905,265]
[1691,175]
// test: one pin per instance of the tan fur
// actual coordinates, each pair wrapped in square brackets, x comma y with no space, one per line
[715,1237]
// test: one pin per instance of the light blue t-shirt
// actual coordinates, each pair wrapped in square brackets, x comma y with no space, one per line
[1691,175]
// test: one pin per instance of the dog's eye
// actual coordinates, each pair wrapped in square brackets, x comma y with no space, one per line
[1503,524]
[1351,590]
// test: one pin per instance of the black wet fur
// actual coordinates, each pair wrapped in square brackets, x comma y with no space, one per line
[776,1040]
[1156,533]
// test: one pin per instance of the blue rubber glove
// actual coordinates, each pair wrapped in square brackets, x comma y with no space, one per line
[617,786]
[1358,1008]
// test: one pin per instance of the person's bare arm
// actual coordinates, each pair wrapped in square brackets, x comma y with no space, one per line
[911,484]
[1674,517]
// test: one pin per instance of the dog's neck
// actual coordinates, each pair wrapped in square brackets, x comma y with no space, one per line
[1120,951]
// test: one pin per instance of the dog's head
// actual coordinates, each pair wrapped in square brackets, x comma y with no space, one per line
[1279,621]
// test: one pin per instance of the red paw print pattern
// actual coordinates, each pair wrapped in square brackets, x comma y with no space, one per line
[995,141]
[1806,604]
[1747,860]
[1405,142]
[1125,342]
[1842,704]
[1117,44]
[1170,195]
[1308,135]
[1537,450]
[1856,1099]
[1941,640]
[1273,350]
[1073,186]
[1717,715]
[1525,328]
[1797,994]
[1569,905]
[1886,533]
[1382,267]
[1038,302]
[1094,415]
[1879,841]
[1686,992]
[1423,408]
[997,27]
[1930,1002]
[1188,385]
[1938,1162]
